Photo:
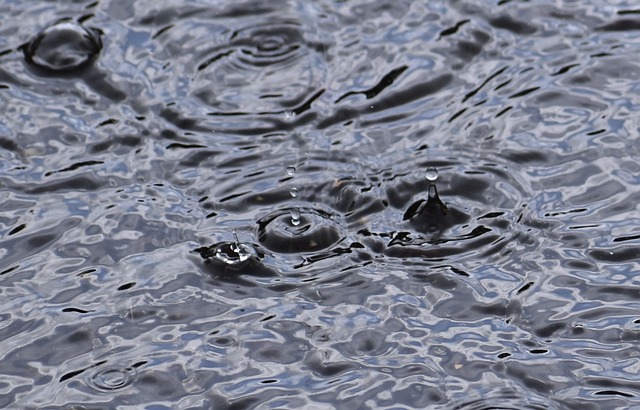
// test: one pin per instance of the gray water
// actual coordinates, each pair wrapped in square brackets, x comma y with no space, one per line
[225,204]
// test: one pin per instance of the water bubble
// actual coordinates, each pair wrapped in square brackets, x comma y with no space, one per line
[288,114]
[63,47]
[291,170]
[294,192]
[431,174]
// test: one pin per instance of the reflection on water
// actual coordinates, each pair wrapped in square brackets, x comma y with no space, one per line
[321,204]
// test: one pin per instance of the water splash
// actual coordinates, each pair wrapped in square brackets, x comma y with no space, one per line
[233,253]
[295,212]
[295,216]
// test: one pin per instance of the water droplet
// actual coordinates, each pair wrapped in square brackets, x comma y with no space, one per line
[432,174]
[288,114]
[233,253]
[291,170]
[63,48]
[294,192]
[295,216]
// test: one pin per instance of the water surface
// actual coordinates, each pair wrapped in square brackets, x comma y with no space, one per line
[233,205]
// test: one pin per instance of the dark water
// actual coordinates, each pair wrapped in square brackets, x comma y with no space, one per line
[224,204]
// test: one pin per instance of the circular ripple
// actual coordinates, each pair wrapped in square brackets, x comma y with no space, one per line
[278,44]
[478,208]
[111,378]
[265,68]
[63,48]
[298,230]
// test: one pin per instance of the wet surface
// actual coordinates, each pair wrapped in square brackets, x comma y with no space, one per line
[284,204]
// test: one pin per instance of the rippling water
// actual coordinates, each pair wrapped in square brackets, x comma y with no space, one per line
[235,205]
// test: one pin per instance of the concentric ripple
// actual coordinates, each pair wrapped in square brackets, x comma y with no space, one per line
[111,378]
[298,230]
[63,48]
[475,209]
[265,68]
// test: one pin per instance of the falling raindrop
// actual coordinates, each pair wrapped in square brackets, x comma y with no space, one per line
[431,174]
[291,170]
[294,192]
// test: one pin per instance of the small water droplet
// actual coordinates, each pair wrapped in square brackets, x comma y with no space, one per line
[295,216]
[294,192]
[291,170]
[288,114]
[431,174]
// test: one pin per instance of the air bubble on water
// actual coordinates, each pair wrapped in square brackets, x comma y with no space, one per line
[431,174]
[295,216]
[288,114]
[291,170]
[294,192]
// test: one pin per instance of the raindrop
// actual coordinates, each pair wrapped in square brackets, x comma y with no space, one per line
[294,192]
[63,48]
[431,174]
[291,170]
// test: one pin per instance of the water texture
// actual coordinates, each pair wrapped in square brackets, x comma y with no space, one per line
[319,204]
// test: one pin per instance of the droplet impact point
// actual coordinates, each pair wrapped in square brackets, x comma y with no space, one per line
[233,253]
[298,230]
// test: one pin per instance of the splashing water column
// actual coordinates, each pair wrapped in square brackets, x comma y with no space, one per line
[295,211]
